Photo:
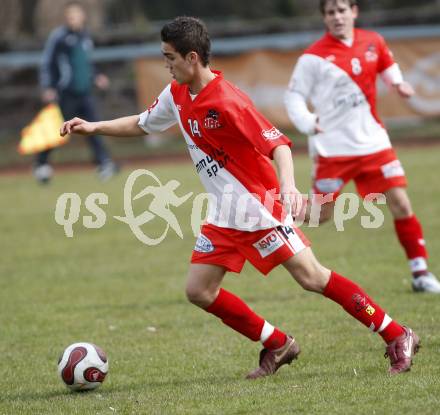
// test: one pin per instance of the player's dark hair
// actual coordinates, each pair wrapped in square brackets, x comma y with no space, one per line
[323,3]
[74,3]
[188,34]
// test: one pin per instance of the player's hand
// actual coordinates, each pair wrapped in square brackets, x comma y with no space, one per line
[292,201]
[318,128]
[77,126]
[49,95]
[405,90]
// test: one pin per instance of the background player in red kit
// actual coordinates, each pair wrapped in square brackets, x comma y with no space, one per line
[347,140]
[232,145]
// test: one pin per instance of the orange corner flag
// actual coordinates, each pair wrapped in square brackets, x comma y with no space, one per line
[43,132]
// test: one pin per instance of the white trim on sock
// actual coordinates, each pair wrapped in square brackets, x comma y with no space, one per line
[266,332]
[418,264]
[385,323]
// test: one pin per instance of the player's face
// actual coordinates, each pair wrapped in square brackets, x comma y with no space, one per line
[75,18]
[339,18]
[181,68]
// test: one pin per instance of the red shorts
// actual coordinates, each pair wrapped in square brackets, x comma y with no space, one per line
[264,249]
[373,173]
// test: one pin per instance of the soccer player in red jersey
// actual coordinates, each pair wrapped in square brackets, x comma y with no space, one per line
[347,140]
[249,218]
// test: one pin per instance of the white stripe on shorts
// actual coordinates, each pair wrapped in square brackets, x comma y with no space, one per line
[294,242]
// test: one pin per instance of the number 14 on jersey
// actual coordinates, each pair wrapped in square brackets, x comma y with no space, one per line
[194,127]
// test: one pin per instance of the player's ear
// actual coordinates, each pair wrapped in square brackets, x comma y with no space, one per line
[192,57]
[355,11]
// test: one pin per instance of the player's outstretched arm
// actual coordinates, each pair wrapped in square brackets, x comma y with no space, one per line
[119,127]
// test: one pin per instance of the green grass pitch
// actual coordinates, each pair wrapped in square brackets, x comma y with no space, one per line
[106,287]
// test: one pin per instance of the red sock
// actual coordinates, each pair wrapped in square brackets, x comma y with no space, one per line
[276,340]
[357,303]
[410,234]
[235,313]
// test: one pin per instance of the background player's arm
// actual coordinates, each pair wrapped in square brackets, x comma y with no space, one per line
[390,72]
[290,196]
[404,89]
[392,76]
[297,94]
[305,121]
[119,127]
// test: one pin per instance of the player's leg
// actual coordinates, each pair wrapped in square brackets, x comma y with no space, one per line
[265,250]
[410,234]
[203,289]
[398,203]
[42,170]
[401,342]
[383,173]
[203,284]
[213,255]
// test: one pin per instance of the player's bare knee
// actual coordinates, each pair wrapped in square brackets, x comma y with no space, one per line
[313,282]
[308,284]
[200,296]
[195,296]
[313,277]
[307,277]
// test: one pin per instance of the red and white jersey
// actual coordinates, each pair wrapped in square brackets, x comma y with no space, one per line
[231,145]
[339,80]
